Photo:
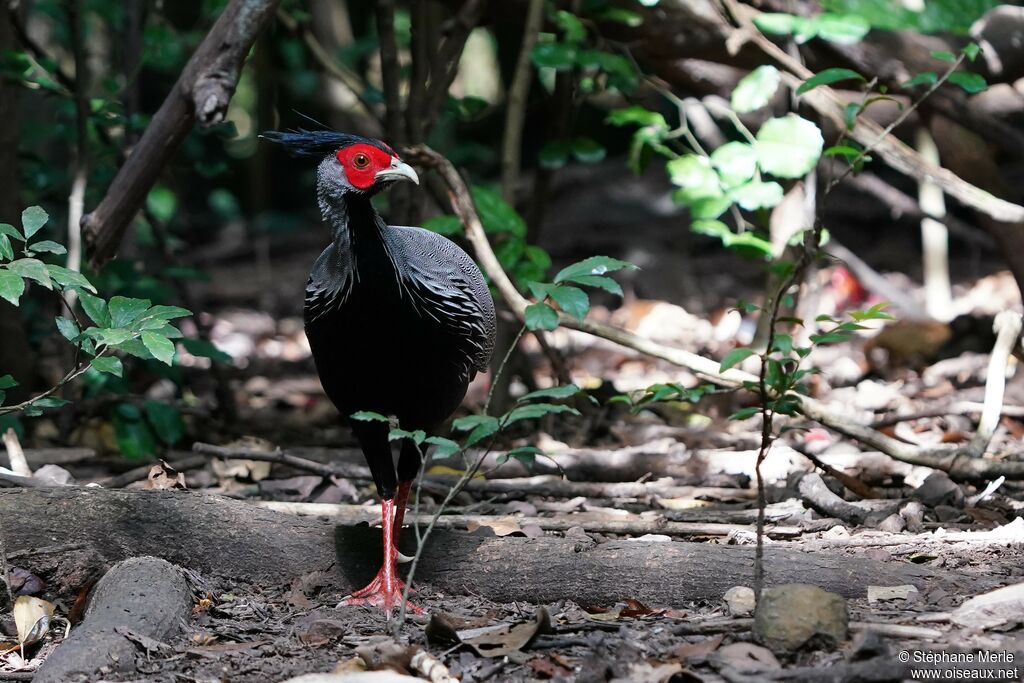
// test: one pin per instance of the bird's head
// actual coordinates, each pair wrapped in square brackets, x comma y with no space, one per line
[349,163]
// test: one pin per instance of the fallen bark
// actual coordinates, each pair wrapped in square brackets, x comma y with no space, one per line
[143,596]
[223,537]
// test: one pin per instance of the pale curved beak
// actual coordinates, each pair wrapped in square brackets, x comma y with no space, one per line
[399,170]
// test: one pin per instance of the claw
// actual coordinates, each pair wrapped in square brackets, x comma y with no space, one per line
[403,559]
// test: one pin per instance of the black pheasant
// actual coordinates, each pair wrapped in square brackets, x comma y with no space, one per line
[399,320]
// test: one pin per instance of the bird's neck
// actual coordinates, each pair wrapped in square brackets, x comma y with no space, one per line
[351,218]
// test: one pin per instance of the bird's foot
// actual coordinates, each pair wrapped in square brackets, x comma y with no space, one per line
[382,593]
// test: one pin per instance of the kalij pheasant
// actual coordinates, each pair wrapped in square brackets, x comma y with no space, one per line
[399,321]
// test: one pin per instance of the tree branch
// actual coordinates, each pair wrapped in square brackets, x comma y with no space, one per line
[515,113]
[202,94]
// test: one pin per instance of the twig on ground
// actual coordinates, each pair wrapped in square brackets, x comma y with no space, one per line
[354,514]
[353,472]
[817,495]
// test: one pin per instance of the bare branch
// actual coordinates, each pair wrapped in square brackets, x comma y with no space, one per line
[201,94]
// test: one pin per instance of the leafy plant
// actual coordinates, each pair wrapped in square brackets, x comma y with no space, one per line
[121,324]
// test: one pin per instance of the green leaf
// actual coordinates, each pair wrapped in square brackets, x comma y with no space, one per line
[124,311]
[443,225]
[7,382]
[734,357]
[6,249]
[943,56]
[638,116]
[587,150]
[557,56]
[571,25]
[11,286]
[709,207]
[560,392]
[160,346]
[205,349]
[842,151]
[756,89]
[478,426]
[50,402]
[368,416]
[695,176]
[757,194]
[729,238]
[32,219]
[735,162]
[68,328]
[621,15]
[11,231]
[445,448]
[95,308]
[744,413]
[573,300]
[109,365]
[555,154]
[828,77]
[33,269]
[534,411]
[161,312]
[540,316]
[496,214]
[598,281]
[971,51]
[166,421]
[788,147]
[69,279]
[969,82]
[417,437]
[844,29]
[162,203]
[48,247]
[924,78]
[593,265]
[776,23]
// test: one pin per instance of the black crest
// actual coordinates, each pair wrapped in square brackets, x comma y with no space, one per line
[318,143]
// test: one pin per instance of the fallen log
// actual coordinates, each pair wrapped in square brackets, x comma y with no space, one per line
[233,539]
[140,598]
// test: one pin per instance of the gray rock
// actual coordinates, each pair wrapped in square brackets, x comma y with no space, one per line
[939,489]
[797,615]
[740,600]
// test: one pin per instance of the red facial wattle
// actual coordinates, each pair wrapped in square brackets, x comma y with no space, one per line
[362,163]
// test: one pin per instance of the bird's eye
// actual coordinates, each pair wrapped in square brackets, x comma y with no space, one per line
[360,161]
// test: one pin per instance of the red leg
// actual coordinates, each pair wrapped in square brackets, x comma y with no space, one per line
[401,500]
[386,590]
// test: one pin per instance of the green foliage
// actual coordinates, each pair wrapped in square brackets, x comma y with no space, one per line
[844,29]
[572,300]
[122,324]
[936,16]
[828,77]
[755,89]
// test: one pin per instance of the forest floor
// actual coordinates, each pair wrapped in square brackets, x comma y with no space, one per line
[671,479]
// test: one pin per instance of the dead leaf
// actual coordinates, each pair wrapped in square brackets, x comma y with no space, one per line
[320,632]
[504,639]
[384,653]
[217,650]
[24,582]
[149,645]
[501,526]
[635,609]
[701,648]
[545,667]
[251,470]
[883,593]
[746,658]
[164,477]
[32,618]
[203,604]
